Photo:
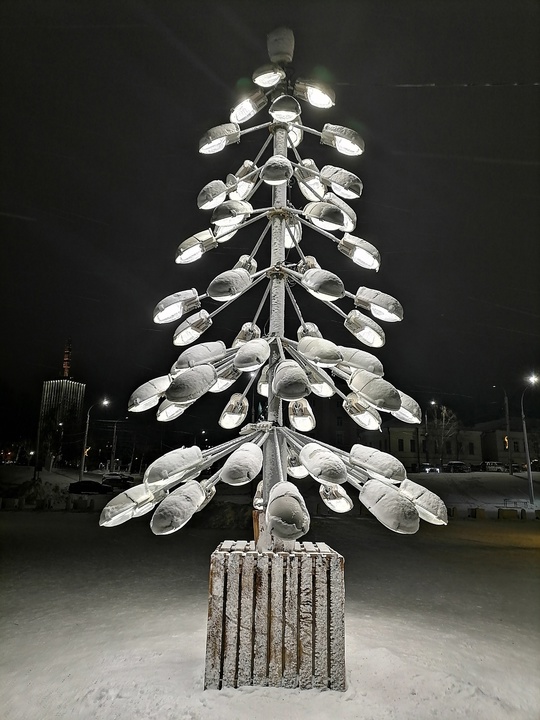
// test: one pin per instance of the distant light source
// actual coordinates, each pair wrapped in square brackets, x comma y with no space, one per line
[218,137]
[345,140]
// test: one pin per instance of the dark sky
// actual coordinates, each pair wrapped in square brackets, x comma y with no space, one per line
[102,107]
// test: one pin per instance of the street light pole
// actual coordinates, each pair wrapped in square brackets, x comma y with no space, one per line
[531,380]
[85,440]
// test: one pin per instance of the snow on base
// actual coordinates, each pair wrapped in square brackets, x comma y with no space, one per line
[111,624]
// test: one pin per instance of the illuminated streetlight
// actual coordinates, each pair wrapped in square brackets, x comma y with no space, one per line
[532,380]
[84,449]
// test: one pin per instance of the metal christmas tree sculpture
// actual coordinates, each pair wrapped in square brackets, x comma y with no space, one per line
[286,369]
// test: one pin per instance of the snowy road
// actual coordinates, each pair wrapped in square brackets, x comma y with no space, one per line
[110,623]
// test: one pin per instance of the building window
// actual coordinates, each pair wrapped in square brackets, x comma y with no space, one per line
[400,445]
[412,445]
[471,448]
[516,446]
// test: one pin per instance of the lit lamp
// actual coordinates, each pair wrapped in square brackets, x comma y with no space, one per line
[323,353]
[293,232]
[252,355]
[309,183]
[195,246]
[231,213]
[235,412]
[147,395]
[409,411]
[362,414]
[294,467]
[361,359]
[178,508]
[378,392]
[532,380]
[192,384]
[287,516]
[336,498]
[248,107]
[429,506]
[378,464]
[135,502]
[174,466]
[219,137]
[243,465]
[365,329]
[229,285]
[323,464]
[301,415]
[349,221]
[316,93]
[323,284]
[200,354]
[248,331]
[285,109]
[360,251]
[276,170]
[226,376]
[382,306]
[267,76]
[345,140]
[106,402]
[290,381]
[295,135]
[168,411]
[326,216]
[343,183]
[320,383]
[212,195]
[390,507]
[192,328]
[174,306]
[262,383]
[243,181]
[308,329]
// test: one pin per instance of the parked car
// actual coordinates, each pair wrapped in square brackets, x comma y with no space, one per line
[457,466]
[119,481]
[428,468]
[89,487]
[493,467]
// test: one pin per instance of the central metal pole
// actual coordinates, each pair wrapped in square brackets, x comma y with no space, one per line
[271,472]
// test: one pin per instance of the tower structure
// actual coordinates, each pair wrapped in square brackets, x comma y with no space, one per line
[60,417]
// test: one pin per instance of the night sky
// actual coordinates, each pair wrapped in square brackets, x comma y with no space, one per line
[102,106]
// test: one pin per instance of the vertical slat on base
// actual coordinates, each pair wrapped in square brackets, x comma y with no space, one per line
[305,634]
[245,644]
[276,618]
[320,634]
[214,631]
[290,635]
[260,649]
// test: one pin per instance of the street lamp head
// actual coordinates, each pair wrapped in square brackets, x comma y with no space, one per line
[532,379]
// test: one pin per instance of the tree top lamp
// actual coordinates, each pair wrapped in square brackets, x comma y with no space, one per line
[317,94]
[219,137]
[345,140]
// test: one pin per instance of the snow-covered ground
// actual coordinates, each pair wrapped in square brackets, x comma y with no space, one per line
[111,623]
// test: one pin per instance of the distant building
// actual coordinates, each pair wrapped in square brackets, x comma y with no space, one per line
[498,445]
[60,418]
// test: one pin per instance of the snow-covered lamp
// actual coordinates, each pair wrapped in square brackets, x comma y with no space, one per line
[323,353]
[301,415]
[361,359]
[147,395]
[343,183]
[229,285]
[192,328]
[390,507]
[323,284]
[285,109]
[316,93]
[243,181]
[212,195]
[377,463]
[309,183]
[243,465]
[290,381]
[178,508]
[276,170]
[195,246]
[360,251]
[365,329]
[203,353]
[190,385]
[409,411]
[336,498]
[345,140]
[323,464]
[173,466]
[248,331]
[362,414]
[248,107]
[382,306]
[252,355]
[174,306]
[287,516]
[215,139]
[231,213]
[378,392]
